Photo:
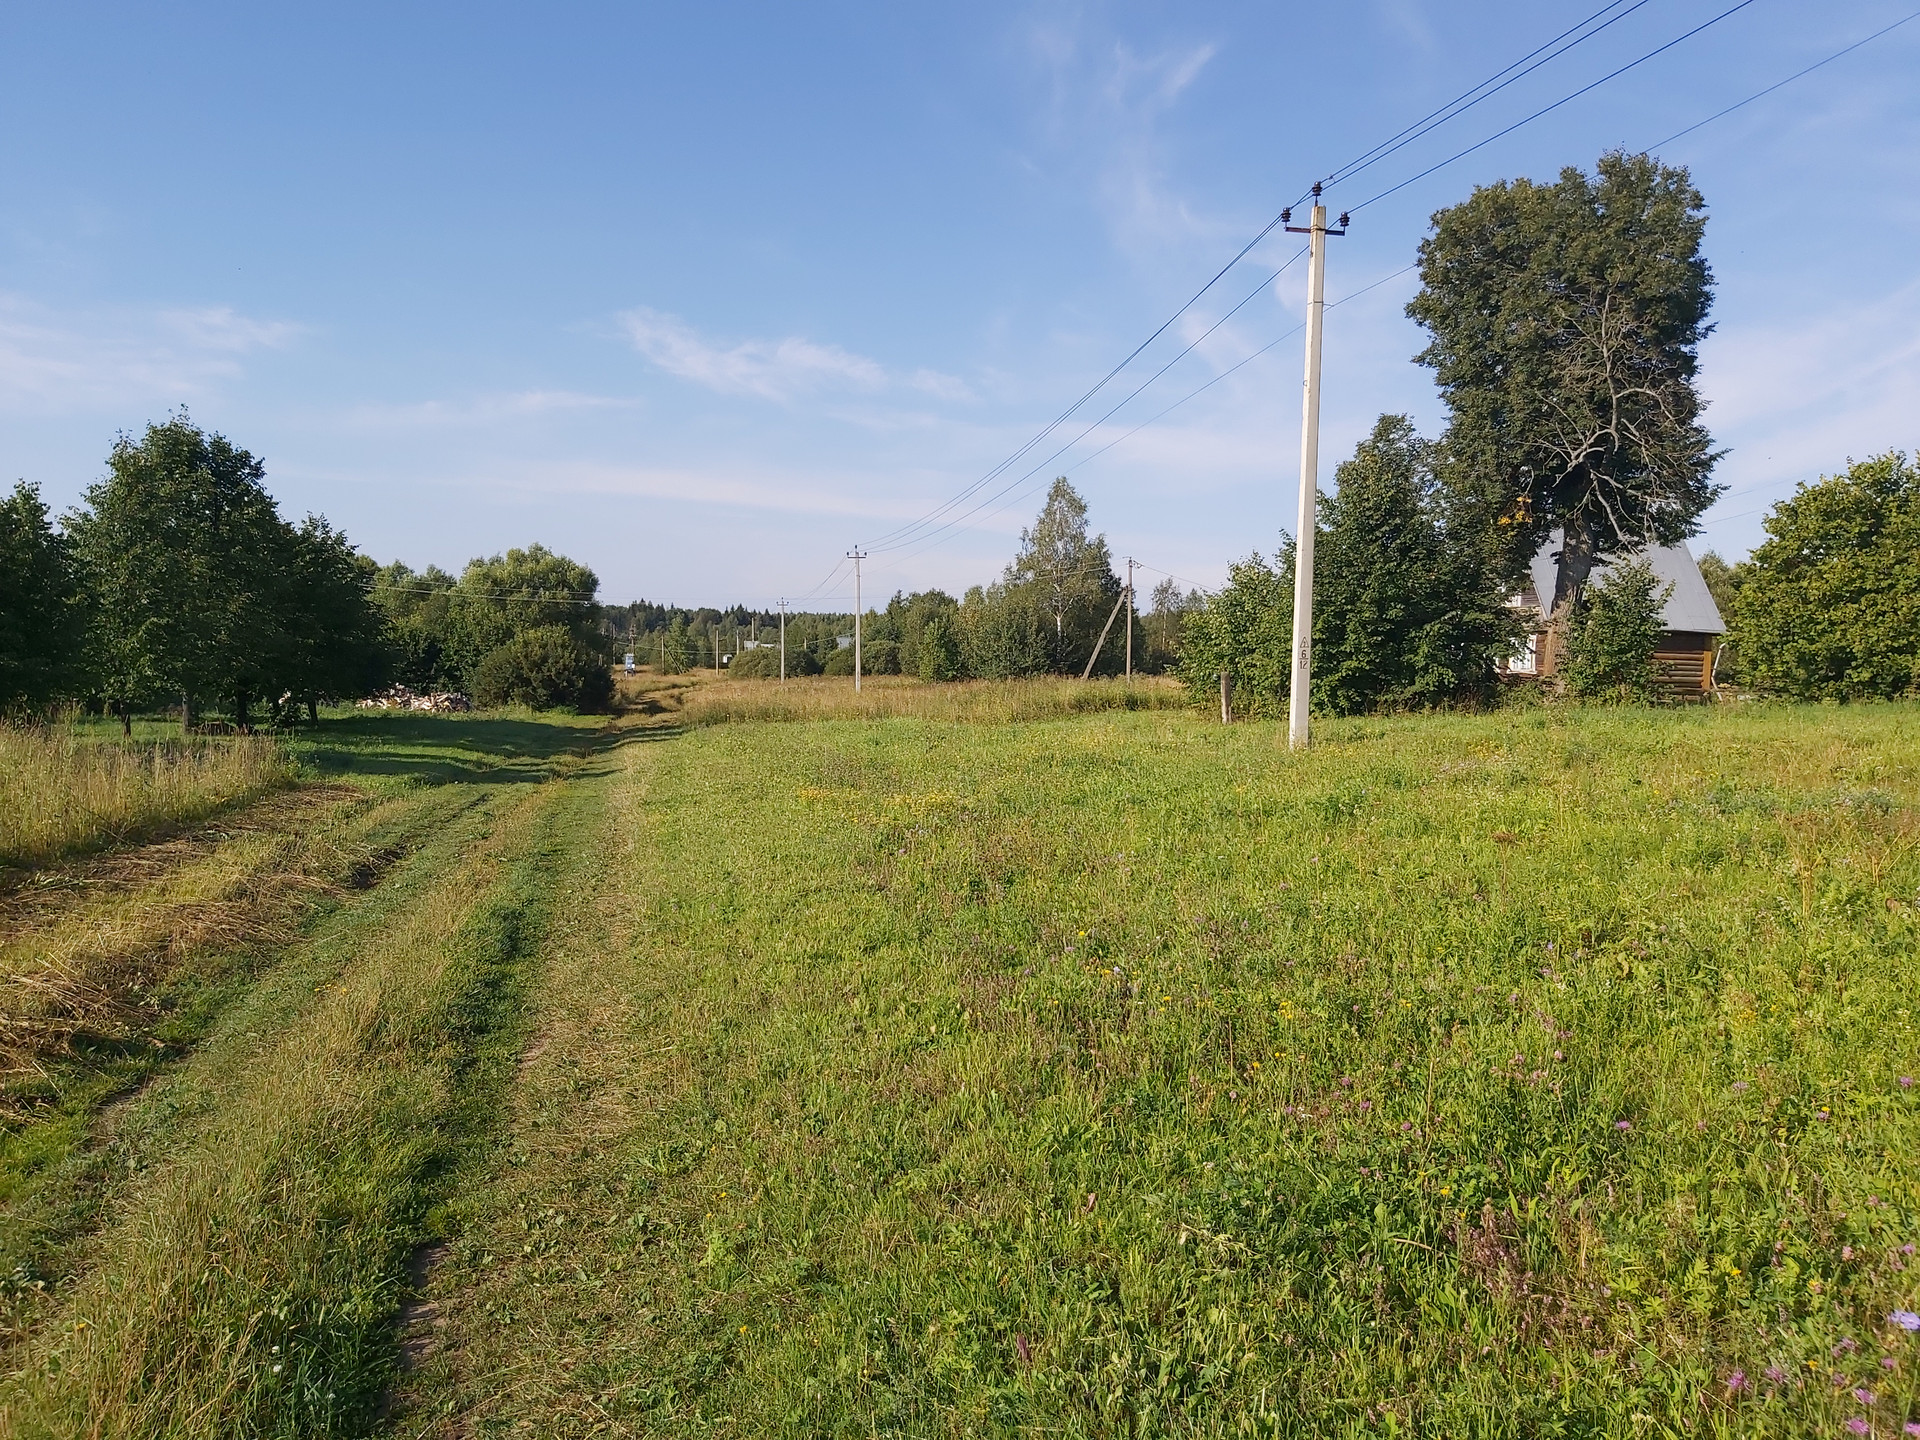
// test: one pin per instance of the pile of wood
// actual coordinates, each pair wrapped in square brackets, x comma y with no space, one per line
[399,697]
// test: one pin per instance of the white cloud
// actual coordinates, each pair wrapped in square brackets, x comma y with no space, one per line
[58,362]
[520,405]
[1795,399]
[771,369]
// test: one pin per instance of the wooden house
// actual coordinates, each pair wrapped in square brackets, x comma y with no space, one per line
[1683,659]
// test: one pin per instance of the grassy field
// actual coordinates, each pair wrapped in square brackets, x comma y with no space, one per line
[1117,1074]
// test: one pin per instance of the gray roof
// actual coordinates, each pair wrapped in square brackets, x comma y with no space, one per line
[1690,607]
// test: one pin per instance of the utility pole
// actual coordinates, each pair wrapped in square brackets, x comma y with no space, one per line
[1129,619]
[856,555]
[1316,232]
[783,642]
[716,651]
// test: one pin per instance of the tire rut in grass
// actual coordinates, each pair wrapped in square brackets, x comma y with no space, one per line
[66,1155]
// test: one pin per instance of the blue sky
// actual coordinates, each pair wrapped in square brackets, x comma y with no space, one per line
[704,294]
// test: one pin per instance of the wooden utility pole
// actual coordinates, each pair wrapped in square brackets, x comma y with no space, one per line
[1129,619]
[1316,232]
[783,642]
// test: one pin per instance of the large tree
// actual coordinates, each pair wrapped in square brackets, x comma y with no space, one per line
[333,635]
[181,546]
[1565,322]
[41,615]
[1068,574]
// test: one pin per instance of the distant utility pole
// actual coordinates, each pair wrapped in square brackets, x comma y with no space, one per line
[856,555]
[716,650]
[1129,619]
[783,642]
[1316,232]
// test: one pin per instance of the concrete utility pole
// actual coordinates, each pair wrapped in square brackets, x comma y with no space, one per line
[716,650]
[856,555]
[1129,618]
[783,642]
[1316,232]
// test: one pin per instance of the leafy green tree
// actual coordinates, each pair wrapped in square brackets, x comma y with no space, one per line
[42,621]
[1409,599]
[676,653]
[180,548]
[499,597]
[1066,576]
[1611,640]
[1157,645]
[415,607]
[333,634]
[938,656]
[1565,325]
[1246,630]
[545,667]
[1004,633]
[1829,605]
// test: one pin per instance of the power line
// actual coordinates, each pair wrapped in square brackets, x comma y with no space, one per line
[1759,94]
[1549,109]
[1455,108]
[960,520]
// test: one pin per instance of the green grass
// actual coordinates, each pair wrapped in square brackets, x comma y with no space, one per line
[308,1026]
[1109,1075]
[1519,1075]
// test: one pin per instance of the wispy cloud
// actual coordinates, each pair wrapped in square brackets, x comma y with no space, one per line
[782,369]
[485,409]
[55,361]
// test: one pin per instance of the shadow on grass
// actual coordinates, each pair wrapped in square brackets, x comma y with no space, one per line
[444,749]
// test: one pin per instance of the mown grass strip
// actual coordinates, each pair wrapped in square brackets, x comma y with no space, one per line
[251,1283]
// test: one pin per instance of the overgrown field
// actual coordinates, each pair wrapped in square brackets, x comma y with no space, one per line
[1116,1074]
[988,702]
[1536,1074]
[61,792]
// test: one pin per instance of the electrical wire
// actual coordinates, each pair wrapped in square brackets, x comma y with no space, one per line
[1455,108]
[1760,94]
[1549,109]
[1046,463]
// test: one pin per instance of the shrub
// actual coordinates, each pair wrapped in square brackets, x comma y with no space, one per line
[1611,640]
[1829,606]
[840,662]
[544,668]
[939,650]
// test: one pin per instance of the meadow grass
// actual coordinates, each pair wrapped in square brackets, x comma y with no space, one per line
[1528,1074]
[63,792]
[983,702]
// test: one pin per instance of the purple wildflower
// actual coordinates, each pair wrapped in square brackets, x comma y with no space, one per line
[1846,1252]
[1775,1375]
[1905,1319]
[1858,1426]
[1846,1347]
[1912,1427]
[1623,1124]
[1736,1382]
[1739,1084]
[1863,1395]
[1906,1083]
[1887,1362]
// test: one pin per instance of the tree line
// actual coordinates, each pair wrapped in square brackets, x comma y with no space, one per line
[177,583]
